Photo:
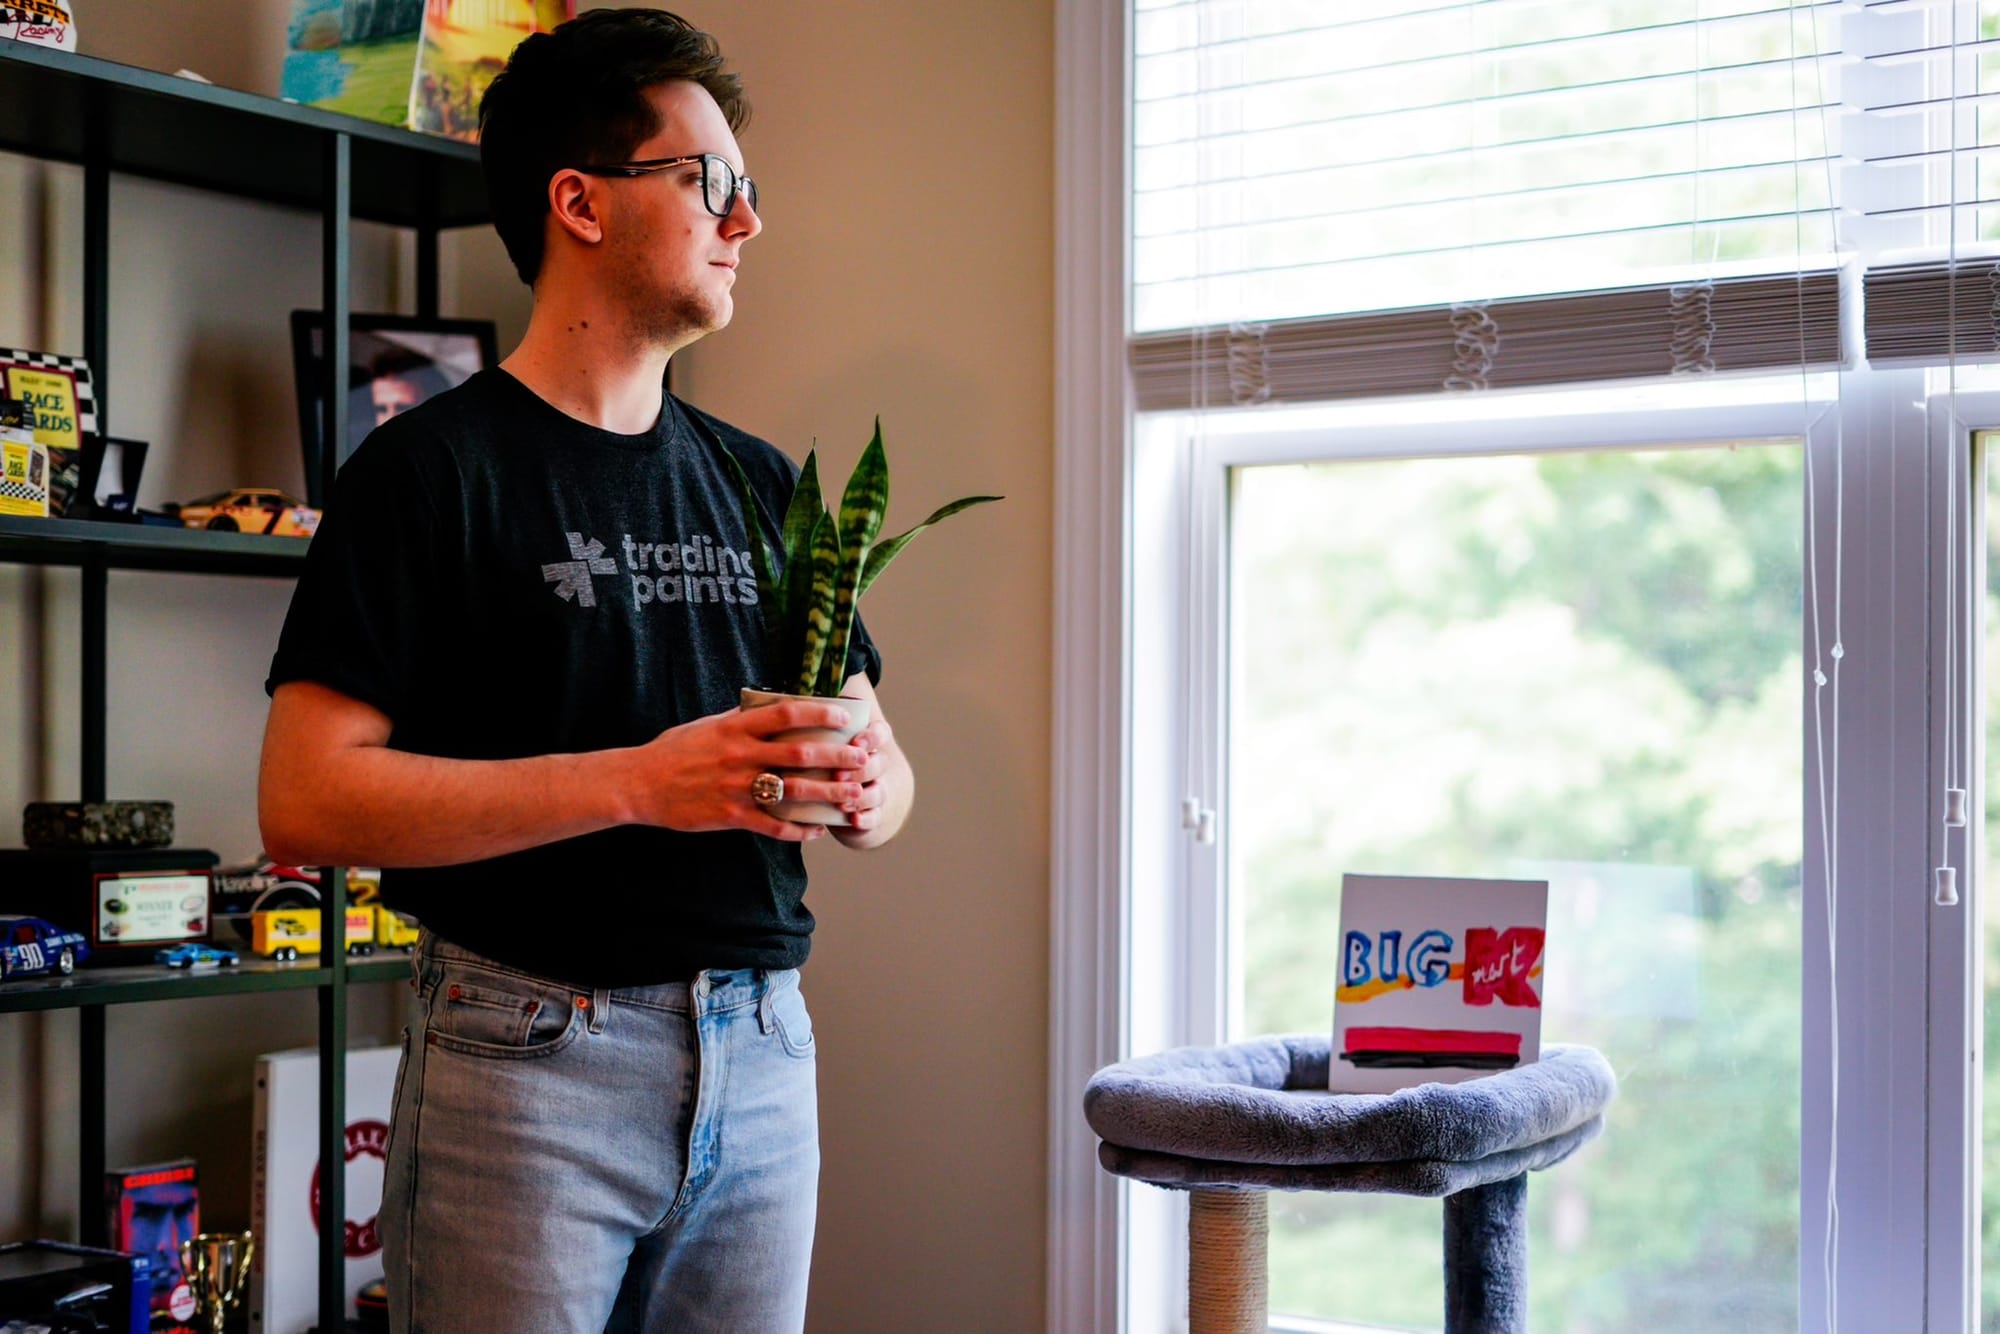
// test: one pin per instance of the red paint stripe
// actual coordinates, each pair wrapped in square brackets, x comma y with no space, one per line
[1454,1040]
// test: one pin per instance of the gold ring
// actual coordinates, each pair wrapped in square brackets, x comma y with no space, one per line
[767,789]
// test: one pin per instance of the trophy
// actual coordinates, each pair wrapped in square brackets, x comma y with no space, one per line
[216,1266]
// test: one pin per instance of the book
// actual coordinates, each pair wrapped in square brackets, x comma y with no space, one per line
[285,1176]
[353,56]
[464,44]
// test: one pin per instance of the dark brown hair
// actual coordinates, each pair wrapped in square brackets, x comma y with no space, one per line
[576,97]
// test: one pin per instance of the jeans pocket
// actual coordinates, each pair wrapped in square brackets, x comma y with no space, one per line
[481,1013]
[793,1020]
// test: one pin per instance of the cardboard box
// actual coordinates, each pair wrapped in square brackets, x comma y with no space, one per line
[284,1182]
[24,464]
[150,1210]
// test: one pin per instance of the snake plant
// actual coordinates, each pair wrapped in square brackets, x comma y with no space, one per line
[809,596]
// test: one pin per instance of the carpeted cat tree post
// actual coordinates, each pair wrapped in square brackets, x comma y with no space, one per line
[1228,1124]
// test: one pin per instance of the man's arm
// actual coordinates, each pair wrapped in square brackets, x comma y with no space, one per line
[332,792]
[888,784]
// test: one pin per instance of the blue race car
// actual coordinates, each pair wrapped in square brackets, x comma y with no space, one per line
[30,945]
[196,955]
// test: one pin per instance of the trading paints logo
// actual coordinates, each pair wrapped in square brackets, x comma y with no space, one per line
[693,569]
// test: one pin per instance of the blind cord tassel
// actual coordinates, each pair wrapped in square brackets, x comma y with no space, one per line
[1249,364]
[1692,342]
[1475,345]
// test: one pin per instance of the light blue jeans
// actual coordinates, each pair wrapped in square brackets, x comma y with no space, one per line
[570,1162]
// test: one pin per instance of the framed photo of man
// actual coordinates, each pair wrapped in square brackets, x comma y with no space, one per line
[394,363]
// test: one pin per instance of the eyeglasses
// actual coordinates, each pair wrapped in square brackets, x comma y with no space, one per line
[719,182]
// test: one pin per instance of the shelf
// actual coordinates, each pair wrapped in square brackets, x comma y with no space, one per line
[121,984]
[134,546]
[171,129]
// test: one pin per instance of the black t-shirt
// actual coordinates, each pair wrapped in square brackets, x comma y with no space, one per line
[503,580]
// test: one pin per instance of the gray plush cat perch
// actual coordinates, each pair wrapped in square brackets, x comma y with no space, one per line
[1229,1123]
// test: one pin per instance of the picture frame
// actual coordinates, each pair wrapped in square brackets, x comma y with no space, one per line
[108,485]
[394,363]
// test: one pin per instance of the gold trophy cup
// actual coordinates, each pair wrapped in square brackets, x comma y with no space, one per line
[217,1268]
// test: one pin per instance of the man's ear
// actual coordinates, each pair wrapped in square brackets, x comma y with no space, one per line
[573,205]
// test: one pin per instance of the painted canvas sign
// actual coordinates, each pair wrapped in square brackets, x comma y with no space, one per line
[1440,980]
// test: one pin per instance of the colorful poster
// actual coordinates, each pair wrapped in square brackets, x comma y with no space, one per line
[465,43]
[1440,980]
[353,56]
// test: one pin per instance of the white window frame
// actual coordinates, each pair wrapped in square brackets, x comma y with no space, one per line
[1907,1167]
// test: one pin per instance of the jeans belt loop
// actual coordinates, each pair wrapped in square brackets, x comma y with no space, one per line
[600,1008]
[765,1012]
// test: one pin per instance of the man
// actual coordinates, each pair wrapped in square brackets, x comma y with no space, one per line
[506,677]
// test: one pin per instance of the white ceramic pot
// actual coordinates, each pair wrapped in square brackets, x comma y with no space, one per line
[859,711]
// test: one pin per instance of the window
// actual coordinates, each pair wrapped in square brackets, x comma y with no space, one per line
[1275,334]
[1579,666]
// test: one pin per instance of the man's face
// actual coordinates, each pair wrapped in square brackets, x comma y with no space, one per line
[671,261]
[390,395]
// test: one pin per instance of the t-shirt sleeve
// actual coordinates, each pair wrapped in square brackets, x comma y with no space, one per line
[862,655]
[367,606]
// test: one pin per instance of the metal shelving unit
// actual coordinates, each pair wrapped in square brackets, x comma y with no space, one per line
[115,119]
[131,546]
[132,983]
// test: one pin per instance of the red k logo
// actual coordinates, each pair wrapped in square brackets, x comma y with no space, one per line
[1500,964]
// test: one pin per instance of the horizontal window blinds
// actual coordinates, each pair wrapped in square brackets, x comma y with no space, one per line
[1933,312]
[1738,324]
[1297,162]
[1926,82]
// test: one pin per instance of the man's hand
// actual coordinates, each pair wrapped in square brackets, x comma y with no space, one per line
[888,786]
[697,776]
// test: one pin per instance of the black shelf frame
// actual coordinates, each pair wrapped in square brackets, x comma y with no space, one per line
[133,546]
[138,122]
[127,984]
[111,118]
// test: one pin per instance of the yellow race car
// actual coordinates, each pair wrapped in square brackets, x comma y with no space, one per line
[250,509]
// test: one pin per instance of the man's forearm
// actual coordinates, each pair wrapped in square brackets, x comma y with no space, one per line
[374,806]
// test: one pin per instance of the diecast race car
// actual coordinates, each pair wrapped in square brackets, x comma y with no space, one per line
[30,945]
[193,954]
[250,509]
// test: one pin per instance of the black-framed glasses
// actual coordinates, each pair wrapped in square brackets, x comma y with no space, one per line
[719,181]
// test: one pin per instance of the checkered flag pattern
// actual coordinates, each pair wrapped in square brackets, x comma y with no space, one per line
[16,491]
[76,367]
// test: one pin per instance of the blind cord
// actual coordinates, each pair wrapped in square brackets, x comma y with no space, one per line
[1826,748]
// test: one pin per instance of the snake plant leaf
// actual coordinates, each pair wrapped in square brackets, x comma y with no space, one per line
[882,553]
[806,507]
[803,517]
[862,506]
[825,562]
[769,591]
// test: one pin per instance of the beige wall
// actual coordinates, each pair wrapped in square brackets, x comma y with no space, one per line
[906,270]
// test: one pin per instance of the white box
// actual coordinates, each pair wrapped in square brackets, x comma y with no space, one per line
[284,1177]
